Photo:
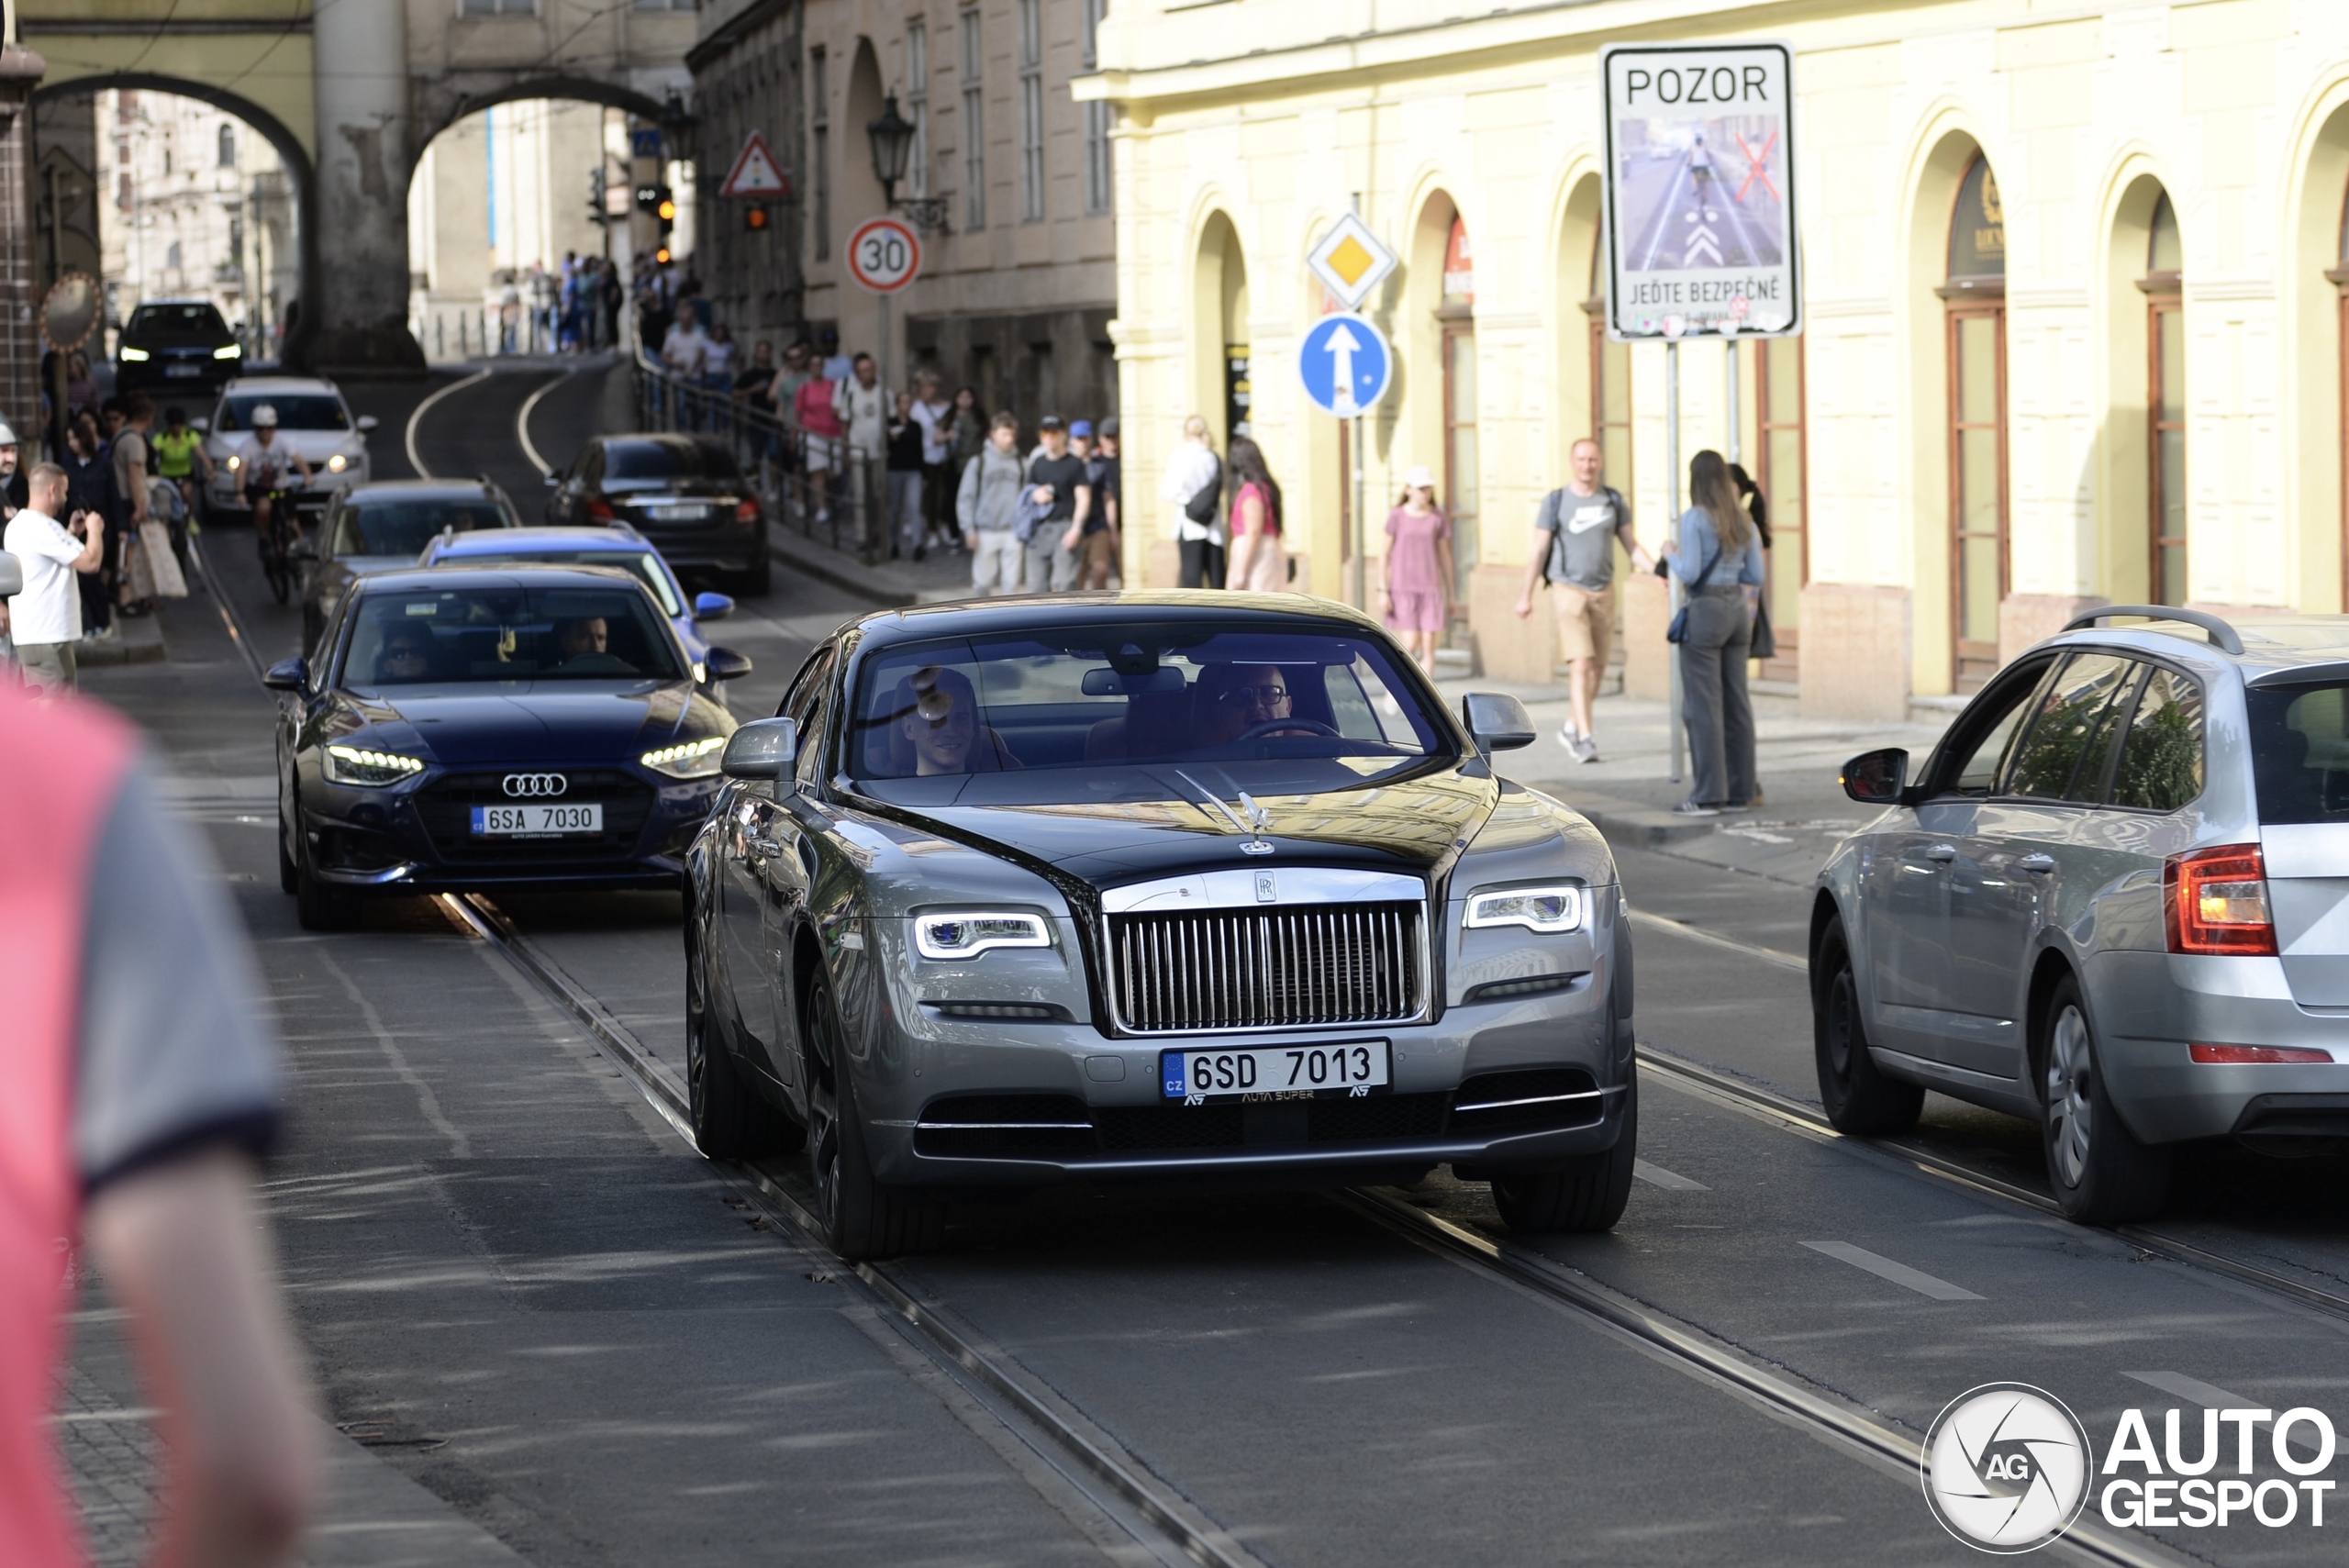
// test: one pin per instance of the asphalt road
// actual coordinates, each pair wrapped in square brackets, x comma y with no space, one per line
[539,1306]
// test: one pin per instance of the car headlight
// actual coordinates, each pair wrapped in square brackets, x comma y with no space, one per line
[687,760]
[1548,910]
[966,935]
[336,463]
[235,462]
[128,352]
[232,352]
[357,765]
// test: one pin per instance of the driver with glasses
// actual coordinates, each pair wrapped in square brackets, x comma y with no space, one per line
[1232,699]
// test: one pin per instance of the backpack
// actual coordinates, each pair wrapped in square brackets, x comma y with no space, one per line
[1552,520]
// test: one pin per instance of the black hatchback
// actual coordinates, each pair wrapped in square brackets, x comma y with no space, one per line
[171,345]
[685,494]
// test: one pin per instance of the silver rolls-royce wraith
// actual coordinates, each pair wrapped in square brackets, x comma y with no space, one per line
[1150,886]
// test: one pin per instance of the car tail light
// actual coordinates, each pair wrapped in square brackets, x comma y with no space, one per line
[600,510]
[2242,1053]
[748,512]
[2218,902]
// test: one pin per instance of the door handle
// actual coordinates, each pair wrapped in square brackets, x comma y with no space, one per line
[1942,854]
[2037,864]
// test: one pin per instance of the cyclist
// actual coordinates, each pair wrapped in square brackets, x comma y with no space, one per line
[180,458]
[262,465]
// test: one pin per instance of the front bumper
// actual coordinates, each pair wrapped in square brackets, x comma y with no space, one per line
[2149,1006]
[411,838]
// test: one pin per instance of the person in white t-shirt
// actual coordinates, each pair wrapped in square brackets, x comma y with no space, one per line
[864,404]
[45,619]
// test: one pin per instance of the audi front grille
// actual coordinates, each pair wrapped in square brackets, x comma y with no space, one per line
[446,806]
[1245,969]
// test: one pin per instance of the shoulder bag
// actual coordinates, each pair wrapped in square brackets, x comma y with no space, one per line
[1679,630]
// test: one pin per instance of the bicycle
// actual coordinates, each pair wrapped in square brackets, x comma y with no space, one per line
[275,533]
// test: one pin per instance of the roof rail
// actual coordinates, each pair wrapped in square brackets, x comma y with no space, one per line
[2220,633]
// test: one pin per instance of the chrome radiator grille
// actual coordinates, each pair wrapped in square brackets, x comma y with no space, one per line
[1230,969]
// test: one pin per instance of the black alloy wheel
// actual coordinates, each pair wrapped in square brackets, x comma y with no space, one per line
[861,1217]
[730,1121]
[1860,1098]
[289,875]
[1588,1193]
[2101,1172]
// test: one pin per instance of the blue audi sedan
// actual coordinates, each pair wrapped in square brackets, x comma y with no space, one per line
[482,728]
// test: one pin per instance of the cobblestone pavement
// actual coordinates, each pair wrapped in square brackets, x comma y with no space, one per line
[113,1460]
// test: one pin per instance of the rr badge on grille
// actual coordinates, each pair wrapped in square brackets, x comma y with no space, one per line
[1266,892]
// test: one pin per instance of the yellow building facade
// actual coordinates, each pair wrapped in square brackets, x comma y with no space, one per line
[2075,313]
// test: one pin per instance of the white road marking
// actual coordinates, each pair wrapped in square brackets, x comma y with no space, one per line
[1699,934]
[1917,1279]
[2195,1392]
[522,423]
[1657,1177]
[416,459]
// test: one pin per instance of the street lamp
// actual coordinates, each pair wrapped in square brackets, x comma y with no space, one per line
[892,136]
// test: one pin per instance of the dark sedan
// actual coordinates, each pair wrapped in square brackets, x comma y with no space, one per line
[460,728]
[1150,885]
[371,528]
[176,345]
[685,494]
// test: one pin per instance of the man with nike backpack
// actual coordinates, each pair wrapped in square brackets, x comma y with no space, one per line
[1579,525]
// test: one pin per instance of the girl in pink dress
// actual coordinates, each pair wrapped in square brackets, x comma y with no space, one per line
[1416,597]
[1257,563]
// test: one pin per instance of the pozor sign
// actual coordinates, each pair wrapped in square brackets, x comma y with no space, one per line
[1701,197]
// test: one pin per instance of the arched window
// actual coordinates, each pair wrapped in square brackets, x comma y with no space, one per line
[1977,353]
[228,147]
[2165,406]
[1458,314]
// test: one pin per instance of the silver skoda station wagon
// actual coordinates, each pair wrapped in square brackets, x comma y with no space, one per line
[2114,899]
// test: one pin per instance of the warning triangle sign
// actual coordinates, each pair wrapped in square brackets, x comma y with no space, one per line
[756,173]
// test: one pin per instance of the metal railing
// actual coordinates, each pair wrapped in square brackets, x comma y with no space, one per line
[839,501]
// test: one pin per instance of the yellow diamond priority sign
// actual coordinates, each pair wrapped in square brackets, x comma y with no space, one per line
[1350,260]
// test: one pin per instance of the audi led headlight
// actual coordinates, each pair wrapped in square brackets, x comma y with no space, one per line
[687,760]
[231,351]
[134,355]
[1548,910]
[357,765]
[966,936]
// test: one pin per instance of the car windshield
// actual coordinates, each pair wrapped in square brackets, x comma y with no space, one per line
[508,632]
[2299,751]
[295,411]
[641,563]
[193,322]
[666,458]
[1296,709]
[405,526]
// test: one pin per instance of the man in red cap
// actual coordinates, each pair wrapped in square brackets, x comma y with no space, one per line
[141,1084]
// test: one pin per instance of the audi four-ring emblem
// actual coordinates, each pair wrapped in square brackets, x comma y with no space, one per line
[535,786]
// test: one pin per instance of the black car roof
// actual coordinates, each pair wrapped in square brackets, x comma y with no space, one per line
[1062,612]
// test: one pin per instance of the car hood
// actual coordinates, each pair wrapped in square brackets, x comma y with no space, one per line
[1151,824]
[534,721]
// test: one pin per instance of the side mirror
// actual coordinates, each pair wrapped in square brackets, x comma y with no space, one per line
[201,425]
[1497,723]
[762,749]
[367,422]
[709,606]
[724,664]
[1876,778]
[289,676]
[12,575]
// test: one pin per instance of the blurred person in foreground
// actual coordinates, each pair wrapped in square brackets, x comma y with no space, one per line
[141,1084]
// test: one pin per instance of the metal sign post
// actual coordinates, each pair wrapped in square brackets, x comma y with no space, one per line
[1347,367]
[1701,235]
[1350,261]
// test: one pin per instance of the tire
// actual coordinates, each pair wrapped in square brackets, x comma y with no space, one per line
[759,581]
[289,875]
[1860,1098]
[729,1120]
[2101,1174]
[1588,1195]
[862,1219]
[318,907]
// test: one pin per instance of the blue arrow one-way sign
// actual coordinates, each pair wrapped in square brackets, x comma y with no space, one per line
[1345,365]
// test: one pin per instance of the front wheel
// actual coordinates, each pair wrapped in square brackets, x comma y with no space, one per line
[317,905]
[759,581]
[862,1219]
[1860,1099]
[1587,1194]
[2102,1175]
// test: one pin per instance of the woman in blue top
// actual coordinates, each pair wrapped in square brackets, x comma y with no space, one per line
[1717,555]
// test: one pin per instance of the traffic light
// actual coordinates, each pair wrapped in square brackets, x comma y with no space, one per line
[650,197]
[599,202]
[754,217]
[662,256]
[665,209]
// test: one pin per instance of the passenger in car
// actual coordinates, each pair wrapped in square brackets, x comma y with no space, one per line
[940,729]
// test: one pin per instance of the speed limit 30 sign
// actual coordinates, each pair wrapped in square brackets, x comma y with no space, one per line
[884,255]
